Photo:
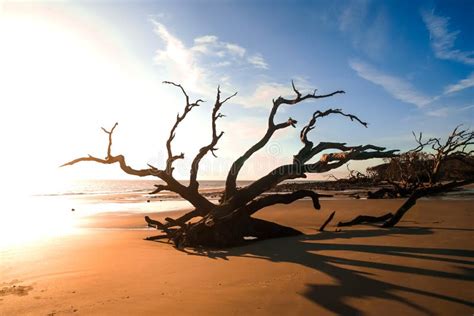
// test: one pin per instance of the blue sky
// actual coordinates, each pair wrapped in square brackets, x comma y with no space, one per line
[405,66]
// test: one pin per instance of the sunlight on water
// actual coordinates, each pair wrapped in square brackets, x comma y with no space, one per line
[59,207]
[27,219]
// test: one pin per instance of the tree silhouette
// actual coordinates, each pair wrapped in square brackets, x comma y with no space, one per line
[228,222]
[417,173]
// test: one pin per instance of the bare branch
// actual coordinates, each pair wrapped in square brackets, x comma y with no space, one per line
[110,159]
[305,153]
[179,118]
[193,183]
[159,188]
[188,216]
[172,184]
[391,219]
[273,199]
[109,147]
[231,186]
[421,192]
[113,159]
[323,226]
[455,147]
[292,171]
[365,219]
[298,94]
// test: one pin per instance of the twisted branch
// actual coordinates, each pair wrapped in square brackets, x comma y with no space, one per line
[109,147]
[179,118]
[231,179]
[272,199]
[172,184]
[193,183]
[110,159]
[292,171]
[306,152]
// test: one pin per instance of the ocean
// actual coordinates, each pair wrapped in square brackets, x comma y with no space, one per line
[88,197]
[57,208]
[104,187]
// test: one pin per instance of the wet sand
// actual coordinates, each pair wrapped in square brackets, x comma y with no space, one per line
[423,267]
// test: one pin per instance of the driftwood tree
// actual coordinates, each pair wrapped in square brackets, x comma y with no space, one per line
[404,174]
[230,221]
[418,173]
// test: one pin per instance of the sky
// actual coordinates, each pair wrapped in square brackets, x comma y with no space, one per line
[69,68]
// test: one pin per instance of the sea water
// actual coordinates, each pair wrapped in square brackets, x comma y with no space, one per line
[40,211]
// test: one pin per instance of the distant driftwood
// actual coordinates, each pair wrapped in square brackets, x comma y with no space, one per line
[417,174]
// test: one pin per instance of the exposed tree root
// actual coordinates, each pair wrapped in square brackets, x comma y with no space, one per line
[227,233]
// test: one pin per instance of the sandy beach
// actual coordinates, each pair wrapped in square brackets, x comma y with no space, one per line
[422,267]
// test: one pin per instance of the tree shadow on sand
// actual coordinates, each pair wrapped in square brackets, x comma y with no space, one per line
[350,283]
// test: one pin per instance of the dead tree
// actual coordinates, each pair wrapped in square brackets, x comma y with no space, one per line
[230,221]
[419,172]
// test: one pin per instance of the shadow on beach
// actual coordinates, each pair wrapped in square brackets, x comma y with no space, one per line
[349,282]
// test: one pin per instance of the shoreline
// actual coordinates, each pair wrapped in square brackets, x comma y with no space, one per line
[346,191]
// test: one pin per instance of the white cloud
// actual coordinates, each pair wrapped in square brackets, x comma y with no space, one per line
[210,45]
[398,88]
[203,66]
[223,63]
[206,39]
[200,68]
[180,61]
[235,49]
[258,61]
[460,85]
[442,40]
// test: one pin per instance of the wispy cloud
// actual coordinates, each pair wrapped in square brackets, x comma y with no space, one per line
[179,61]
[460,85]
[258,61]
[207,63]
[440,112]
[442,39]
[210,45]
[398,88]
[201,66]
[446,110]
[367,32]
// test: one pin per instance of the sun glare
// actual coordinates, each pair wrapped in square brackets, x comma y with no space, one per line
[45,66]
[34,220]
